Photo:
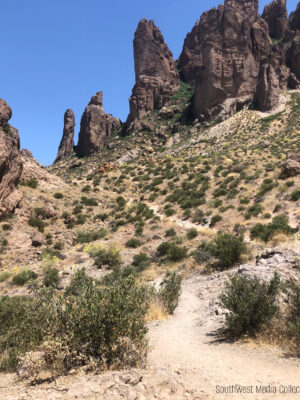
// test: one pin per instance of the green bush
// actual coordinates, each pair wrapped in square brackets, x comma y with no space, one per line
[225,247]
[37,222]
[171,251]
[170,232]
[215,219]
[91,202]
[86,325]
[295,195]
[133,243]
[293,311]
[58,195]
[31,182]
[141,261]
[192,233]
[87,237]
[86,188]
[170,291]
[110,257]
[279,224]
[24,277]
[251,304]
[51,277]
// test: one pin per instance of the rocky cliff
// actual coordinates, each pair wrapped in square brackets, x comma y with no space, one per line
[67,142]
[155,71]
[95,127]
[10,162]
[275,14]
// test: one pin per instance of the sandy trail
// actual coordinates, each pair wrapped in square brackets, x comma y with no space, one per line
[184,342]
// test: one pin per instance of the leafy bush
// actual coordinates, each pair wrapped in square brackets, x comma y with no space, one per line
[215,219]
[87,237]
[86,188]
[170,232]
[251,304]
[31,182]
[86,325]
[266,232]
[293,312]
[192,233]
[58,195]
[37,222]
[295,195]
[51,277]
[225,247]
[171,251]
[141,261]
[170,291]
[24,277]
[110,257]
[133,243]
[91,202]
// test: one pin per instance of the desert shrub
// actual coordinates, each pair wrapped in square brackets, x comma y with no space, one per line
[110,257]
[58,245]
[251,304]
[121,202]
[169,212]
[86,325]
[58,195]
[295,195]
[133,243]
[87,237]
[170,232]
[253,211]
[24,277]
[6,227]
[86,188]
[265,187]
[171,251]
[91,202]
[51,277]
[266,232]
[198,216]
[141,261]
[37,222]
[293,312]
[4,275]
[192,233]
[170,291]
[102,216]
[31,182]
[215,219]
[225,248]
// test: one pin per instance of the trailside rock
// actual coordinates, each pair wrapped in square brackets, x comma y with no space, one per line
[10,162]
[267,95]
[222,55]
[275,14]
[155,71]
[67,142]
[95,127]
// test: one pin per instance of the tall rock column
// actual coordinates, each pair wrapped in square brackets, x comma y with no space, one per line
[10,162]
[275,14]
[222,55]
[95,126]
[67,142]
[155,71]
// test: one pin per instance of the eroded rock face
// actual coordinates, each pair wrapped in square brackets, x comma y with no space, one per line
[268,90]
[67,142]
[10,162]
[95,126]
[221,56]
[275,14]
[155,71]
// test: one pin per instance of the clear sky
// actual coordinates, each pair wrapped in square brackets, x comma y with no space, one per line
[55,54]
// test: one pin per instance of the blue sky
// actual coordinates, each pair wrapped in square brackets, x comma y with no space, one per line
[55,54]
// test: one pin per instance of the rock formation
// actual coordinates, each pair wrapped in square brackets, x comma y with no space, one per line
[95,126]
[275,14]
[292,43]
[10,162]
[268,90]
[222,56]
[155,71]
[67,142]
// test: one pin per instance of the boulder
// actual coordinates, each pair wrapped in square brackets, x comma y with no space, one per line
[275,14]
[67,142]
[155,72]
[10,162]
[290,168]
[95,127]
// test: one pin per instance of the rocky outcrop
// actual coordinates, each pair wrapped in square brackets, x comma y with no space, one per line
[95,127]
[222,55]
[155,71]
[267,95]
[275,14]
[291,167]
[292,44]
[67,142]
[10,162]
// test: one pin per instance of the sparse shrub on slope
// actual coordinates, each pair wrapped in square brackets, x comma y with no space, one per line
[279,224]
[86,325]
[170,291]
[225,248]
[251,304]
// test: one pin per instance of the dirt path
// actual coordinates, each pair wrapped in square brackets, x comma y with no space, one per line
[184,343]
